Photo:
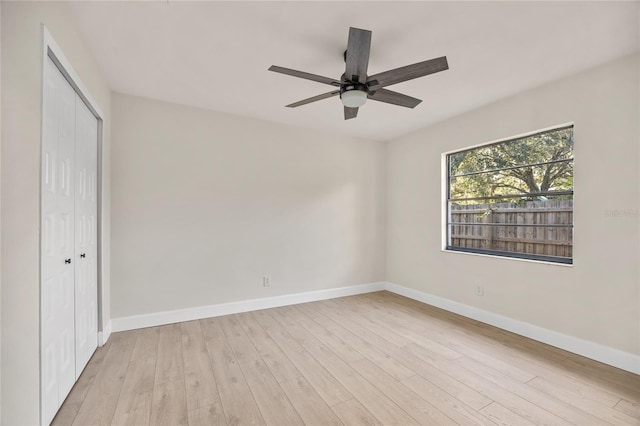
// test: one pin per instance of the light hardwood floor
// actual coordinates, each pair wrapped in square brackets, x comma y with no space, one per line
[362,360]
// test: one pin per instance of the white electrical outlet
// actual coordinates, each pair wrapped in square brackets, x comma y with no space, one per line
[479,290]
[266,281]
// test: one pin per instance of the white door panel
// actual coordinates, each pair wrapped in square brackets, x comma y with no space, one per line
[58,157]
[68,239]
[66,211]
[86,288]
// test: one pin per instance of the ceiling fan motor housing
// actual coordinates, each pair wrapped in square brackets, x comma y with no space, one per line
[348,86]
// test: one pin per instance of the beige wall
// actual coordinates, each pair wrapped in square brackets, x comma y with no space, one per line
[21,112]
[205,204]
[598,298]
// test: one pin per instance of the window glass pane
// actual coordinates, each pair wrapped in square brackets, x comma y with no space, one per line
[541,179]
[514,198]
[537,148]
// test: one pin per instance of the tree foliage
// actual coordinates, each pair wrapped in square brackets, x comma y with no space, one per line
[533,164]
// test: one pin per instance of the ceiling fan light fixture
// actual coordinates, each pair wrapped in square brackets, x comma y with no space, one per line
[353,98]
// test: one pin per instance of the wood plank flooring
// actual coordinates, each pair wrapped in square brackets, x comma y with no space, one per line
[371,359]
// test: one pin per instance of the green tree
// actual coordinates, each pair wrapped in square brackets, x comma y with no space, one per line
[532,164]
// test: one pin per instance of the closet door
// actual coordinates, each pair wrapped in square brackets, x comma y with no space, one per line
[86,286]
[57,241]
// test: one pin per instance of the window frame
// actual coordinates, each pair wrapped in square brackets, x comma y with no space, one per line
[446,182]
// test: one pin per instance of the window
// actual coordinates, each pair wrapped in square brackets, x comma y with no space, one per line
[513,198]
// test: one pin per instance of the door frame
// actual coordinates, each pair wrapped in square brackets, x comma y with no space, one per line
[51,50]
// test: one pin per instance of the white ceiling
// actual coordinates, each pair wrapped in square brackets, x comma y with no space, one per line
[215,55]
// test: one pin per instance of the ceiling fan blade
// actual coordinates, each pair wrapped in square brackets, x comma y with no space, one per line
[358,48]
[305,75]
[408,72]
[395,98]
[350,113]
[313,99]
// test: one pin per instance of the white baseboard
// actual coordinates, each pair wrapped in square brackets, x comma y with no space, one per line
[103,335]
[189,314]
[611,356]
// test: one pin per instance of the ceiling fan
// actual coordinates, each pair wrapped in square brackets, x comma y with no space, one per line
[355,86]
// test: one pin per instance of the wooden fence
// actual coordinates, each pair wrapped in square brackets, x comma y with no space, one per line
[533,227]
